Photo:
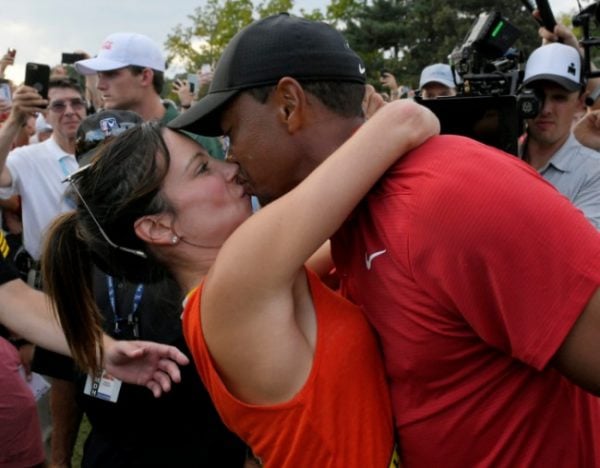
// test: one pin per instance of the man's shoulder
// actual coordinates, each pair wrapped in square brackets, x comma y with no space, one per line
[453,143]
[454,150]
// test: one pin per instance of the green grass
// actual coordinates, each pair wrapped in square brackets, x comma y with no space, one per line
[84,430]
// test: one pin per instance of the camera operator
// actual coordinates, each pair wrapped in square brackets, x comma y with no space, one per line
[554,71]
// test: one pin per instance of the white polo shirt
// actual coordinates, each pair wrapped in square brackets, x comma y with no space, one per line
[37,171]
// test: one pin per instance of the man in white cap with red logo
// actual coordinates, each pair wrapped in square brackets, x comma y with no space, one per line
[130,70]
[553,71]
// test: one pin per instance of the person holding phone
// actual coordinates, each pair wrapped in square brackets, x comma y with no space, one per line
[186,92]
[35,173]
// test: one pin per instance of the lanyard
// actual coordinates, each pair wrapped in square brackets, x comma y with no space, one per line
[132,321]
[68,200]
[63,165]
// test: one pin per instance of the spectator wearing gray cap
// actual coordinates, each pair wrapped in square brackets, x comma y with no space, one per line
[437,80]
[553,71]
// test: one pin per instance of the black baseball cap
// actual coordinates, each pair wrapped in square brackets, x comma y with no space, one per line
[264,52]
[96,128]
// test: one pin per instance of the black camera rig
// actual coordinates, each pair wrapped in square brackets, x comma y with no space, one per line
[485,62]
[589,43]
[489,105]
[488,65]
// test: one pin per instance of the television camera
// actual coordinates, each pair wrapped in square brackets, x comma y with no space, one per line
[489,106]
[590,45]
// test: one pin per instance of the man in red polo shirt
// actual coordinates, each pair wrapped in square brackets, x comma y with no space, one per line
[479,277]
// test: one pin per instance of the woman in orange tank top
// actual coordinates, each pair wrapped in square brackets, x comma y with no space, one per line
[291,366]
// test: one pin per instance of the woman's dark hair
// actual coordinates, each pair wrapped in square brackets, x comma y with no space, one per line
[120,185]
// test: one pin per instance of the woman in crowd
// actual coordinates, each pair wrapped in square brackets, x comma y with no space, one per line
[292,367]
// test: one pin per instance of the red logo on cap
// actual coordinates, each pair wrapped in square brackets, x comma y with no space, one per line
[107,45]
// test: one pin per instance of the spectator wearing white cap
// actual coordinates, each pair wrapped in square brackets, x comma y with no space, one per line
[437,80]
[130,69]
[553,71]
[35,172]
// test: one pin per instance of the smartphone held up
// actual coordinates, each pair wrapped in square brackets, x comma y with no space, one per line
[69,58]
[192,80]
[37,75]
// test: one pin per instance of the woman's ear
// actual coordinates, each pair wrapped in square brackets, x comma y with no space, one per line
[291,103]
[154,229]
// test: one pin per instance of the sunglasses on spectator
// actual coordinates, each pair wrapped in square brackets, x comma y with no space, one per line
[60,106]
[93,138]
[73,183]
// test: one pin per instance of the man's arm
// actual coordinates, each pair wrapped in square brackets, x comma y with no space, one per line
[26,101]
[578,358]
[28,313]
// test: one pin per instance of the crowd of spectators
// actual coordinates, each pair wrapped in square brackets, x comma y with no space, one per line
[513,334]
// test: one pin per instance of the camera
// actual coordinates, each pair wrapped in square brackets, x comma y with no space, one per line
[488,107]
[590,45]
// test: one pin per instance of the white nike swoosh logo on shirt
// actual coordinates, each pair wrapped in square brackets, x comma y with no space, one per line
[369,258]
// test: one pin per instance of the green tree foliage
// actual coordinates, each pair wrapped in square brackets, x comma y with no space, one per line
[401,35]
[340,11]
[407,35]
[273,7]
[213,25]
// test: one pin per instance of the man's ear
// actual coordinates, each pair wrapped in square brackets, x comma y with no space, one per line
[147,76]
[291,103]
[154,229]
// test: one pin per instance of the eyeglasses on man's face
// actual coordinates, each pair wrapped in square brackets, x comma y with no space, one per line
[60,105]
